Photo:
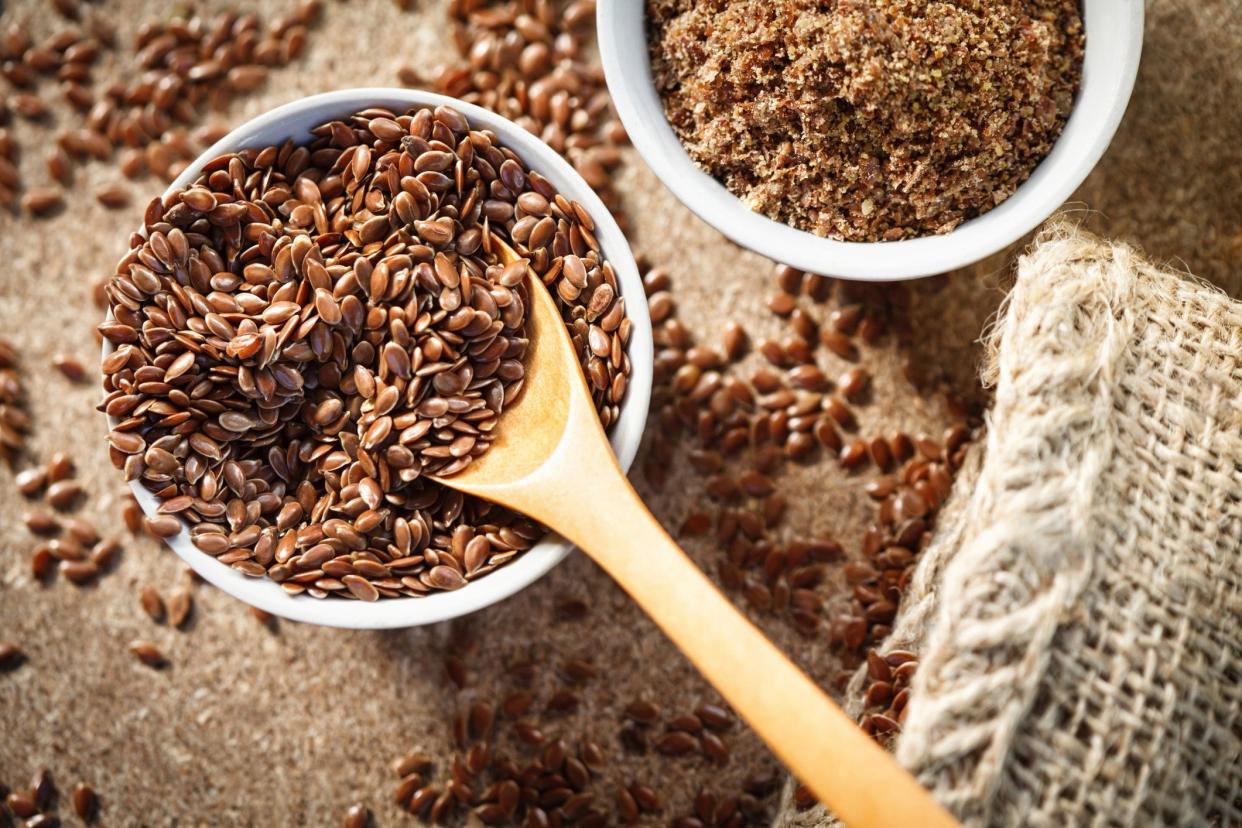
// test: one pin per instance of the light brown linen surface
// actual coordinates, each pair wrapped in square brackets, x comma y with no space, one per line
[289,727]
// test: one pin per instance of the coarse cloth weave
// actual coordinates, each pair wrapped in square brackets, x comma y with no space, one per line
[1079,615]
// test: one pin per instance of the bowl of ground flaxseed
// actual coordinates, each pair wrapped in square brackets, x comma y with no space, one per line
[314,319]
[871,140]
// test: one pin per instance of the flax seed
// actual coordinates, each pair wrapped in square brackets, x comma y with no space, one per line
[358,816]
[789,279]
[112,196]
[79,573]
[810,378]
[646,797]
[782,304]
[147,653]
[42,563]
[59,467]
[838,343]
[163,526]
[11,656]
[845,319]
[799,445]
[85,802]
[41,201]
[803,324]
[70,367]
[41,523]
[853,383]
[714,747]
[31,481]
[151,602]
[854,454]
[22,804]
[734,341]
[180,605]
[837,409]
[29,106]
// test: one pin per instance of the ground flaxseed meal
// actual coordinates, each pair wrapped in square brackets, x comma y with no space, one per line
[867,121]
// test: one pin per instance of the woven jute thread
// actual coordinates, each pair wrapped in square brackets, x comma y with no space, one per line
[1079,616]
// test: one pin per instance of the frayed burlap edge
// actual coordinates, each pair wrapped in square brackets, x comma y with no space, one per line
[1078,613]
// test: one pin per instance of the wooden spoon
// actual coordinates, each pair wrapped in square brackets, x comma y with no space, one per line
[551,461]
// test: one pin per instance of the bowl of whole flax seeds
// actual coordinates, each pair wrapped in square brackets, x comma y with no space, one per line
[871,140]
[313,320]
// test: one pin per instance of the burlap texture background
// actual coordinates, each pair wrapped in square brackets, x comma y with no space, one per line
[1078,615]
[290,726]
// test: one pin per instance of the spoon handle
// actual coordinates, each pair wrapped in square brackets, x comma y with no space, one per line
[859,781]
[555,465]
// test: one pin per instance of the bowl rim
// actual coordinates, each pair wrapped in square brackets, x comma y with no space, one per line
[294,119]
[1115,27]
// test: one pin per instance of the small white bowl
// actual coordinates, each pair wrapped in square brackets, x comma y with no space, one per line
[295,120]
[1114,42]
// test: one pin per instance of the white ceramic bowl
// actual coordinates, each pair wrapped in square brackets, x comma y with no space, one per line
[295,120]
[1114,42]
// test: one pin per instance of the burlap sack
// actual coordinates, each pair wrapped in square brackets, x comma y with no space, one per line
[1079,617]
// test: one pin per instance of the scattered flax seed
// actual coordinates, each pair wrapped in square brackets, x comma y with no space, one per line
[41,523]
[263,617]
[14,419]
[85,802]
[412,763]
[784,410]
[133,162]
[455,669]
[151,602]
[714,747]
[180,605]
[409,76]
[43,788]
[867,121]
[676,743]
[11,655]
[59,167]
[70,367]
[59,467]
[42,563]
[63,494]
[79,573]
[131,514]
[714,716]
[81,530]
[29,106]
[148,653]
[803,798]
[358,816]
[41,201]
[112,196]
[22,804]
[103,554]
[180,68]
[31,481]
[527,62]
